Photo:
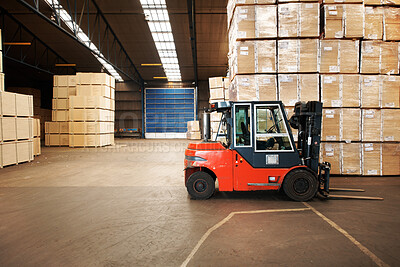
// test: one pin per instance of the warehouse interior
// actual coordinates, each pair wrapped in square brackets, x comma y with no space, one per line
[101,110]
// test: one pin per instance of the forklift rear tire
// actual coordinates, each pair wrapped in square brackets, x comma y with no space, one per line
[200,185]
[300,185]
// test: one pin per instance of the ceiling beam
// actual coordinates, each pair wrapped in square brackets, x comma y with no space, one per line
[191,7]
[116,58]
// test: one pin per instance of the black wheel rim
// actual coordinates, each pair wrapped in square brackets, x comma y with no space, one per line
[301,186]
[200,186]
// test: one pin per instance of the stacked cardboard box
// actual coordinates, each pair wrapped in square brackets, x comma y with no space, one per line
[16,124]
[89,106]
[345,54]
[36,137]
[193,130]
[219,91]
[57,131]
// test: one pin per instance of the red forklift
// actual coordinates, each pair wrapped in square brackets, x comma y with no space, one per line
[259,151]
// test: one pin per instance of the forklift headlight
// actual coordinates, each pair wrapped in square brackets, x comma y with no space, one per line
[191,158]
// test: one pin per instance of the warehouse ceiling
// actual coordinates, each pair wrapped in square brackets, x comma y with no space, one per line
[127,20]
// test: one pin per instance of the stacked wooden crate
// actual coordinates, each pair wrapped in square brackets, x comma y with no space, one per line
[16,137]
[37,150]
[57,131]
[219,91]
[83,111]
[92,111]
[345,54]
[193,130]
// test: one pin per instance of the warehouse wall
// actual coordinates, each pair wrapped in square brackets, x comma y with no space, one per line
[128,107]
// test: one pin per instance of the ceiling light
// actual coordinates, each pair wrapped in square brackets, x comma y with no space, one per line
[67,19]
[150,64]
[156,15]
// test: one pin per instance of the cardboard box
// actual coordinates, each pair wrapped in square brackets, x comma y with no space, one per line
[37,150]
[390,57]
[2,83]
[288,56]
[216,82]
[89,140]
[91,115]
[298,20]
[370,91]
[339,56]
[52,127]
[331,94]
[351,90]
[217,93]
[88,102]
[308,89]
[331,125]
[92,78]
[63,92]
[93,90]
[24,128]
[344,21]
[24,105]
[371,159]
[255,21]
[351,158]
[24,151]
[266,87]
[57,140]
[193,135]
[193,126]
[287,87]
[390,125]
[330,152]
[232,4]
[243,88]
[64,80]
[8,153]
[371,125]
[390,91]
[60,115]
[60,103]
[373,23]
[8,128]
[390,159]
[248,57]
[8,104]
[379,57]
[36,127]
[265,56]
[341,90]
[350,126]
[392,23]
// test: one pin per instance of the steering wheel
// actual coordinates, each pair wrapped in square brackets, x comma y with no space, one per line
[273,126]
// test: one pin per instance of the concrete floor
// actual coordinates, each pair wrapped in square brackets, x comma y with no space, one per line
[126,205]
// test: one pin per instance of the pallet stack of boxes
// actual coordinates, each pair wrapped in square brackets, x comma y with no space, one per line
[83,111]
[218,92]
[344,53]
[17,128]
[57,131]
[193,132]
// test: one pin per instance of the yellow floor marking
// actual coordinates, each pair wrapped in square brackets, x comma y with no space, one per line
[366,251]
[226,219]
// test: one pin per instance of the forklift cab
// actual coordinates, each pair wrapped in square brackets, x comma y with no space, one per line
[260,134]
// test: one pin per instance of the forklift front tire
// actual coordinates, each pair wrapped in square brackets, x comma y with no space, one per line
[300,185]
[200,185]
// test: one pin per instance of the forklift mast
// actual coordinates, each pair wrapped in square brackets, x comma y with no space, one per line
[307,119]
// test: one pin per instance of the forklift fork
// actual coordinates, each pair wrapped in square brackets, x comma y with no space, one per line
[324,190]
